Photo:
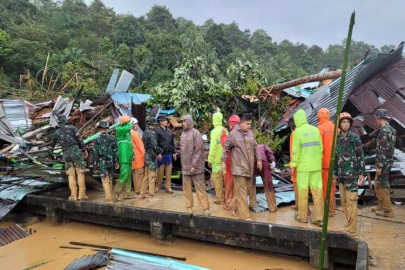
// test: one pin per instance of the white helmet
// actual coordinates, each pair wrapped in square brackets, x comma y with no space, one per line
[134,121]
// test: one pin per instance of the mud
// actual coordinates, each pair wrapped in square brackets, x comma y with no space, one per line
[42,249]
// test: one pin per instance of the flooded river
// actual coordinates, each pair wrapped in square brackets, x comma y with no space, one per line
[42,250]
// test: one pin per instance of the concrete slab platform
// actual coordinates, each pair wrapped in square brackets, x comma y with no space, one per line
[275,232]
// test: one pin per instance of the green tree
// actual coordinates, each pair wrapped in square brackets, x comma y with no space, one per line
[5,44]
[101,18]
[215,36]
[105,45]
[160,18]
[130,31]
[238,38]
[123,56]
[262,43]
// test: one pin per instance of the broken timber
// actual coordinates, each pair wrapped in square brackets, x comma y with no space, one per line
[264,93]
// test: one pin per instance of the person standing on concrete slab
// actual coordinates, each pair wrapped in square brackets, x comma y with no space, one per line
[125,157]
[139,154]
[230,194]
[193,165]
[269,163]
[74,152]
[106,159]
[153,153]
[291,124]
[349,168]
[385,149]
[165,141]
[326,129]
[307,158]
[215,157]
[241,143]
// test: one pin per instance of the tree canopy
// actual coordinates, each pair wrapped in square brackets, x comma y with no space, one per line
[181,63]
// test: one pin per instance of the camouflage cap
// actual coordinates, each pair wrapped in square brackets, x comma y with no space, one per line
[152,121]
[382,113]
[103,124]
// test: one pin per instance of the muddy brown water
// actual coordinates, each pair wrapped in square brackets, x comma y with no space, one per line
[42,249]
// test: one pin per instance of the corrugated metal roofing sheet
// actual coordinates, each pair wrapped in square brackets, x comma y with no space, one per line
[382,91]
[14,189]
[125,98]
[17,112]
[90,261]
[11,234]
[355,78]
[122,259]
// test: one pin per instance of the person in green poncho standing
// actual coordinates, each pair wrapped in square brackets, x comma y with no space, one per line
[125,157]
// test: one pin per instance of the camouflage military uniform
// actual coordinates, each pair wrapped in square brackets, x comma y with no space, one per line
[385,147]
[349,160]
[152,150]
[105,154]
[385,153]
[72,149]
[72,146]
[349,165]
[105,158]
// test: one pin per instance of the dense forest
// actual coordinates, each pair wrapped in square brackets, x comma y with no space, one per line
[172,58]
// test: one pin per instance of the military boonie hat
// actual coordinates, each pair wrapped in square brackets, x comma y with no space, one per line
[151,121]
[382,113]
[162,118]
[103,124]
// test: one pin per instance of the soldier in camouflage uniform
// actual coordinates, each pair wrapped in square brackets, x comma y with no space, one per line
[385,148]
[105,158]
[349,168]
[74,152]
[152,153]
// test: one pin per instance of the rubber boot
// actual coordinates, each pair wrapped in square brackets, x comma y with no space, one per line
[72,183]
[82,184]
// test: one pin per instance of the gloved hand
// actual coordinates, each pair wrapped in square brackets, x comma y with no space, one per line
[272,165]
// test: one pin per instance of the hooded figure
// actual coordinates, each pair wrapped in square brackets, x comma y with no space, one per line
[230,198]
[307,158]
[326,129]
[193,165]
[125,157]
[241,143]
[215,156]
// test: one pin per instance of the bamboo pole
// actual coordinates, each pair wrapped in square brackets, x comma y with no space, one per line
[332,161]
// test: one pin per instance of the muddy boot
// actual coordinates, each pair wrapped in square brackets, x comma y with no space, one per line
[72,183]
[190,210]
[170,191]
[294,207]
[207,212]
[82,184]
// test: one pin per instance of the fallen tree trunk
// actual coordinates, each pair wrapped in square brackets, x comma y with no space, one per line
[311,78]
